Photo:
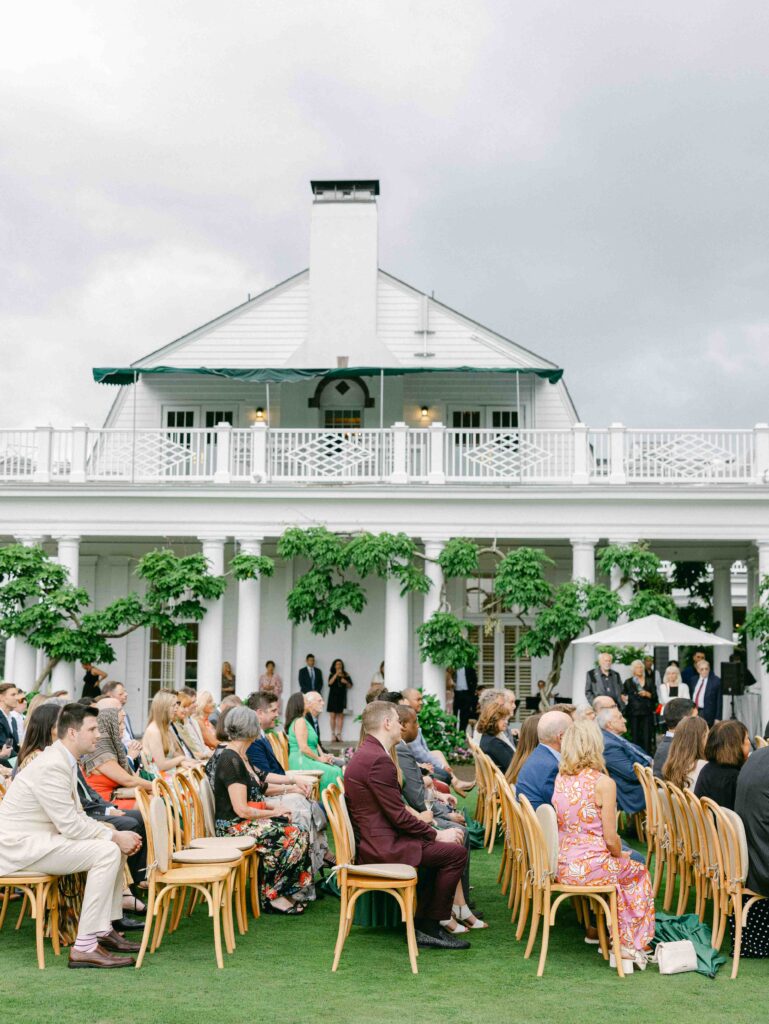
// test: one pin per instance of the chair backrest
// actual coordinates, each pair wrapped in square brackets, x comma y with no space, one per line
[341,826]
[697,827]
[666,825]
[717,862]
[645,777]
[279,743]
[188,797]
[548,821]
[166,791]
[681,819]
[534,839]
[208,805]
[734,844]
[161,836]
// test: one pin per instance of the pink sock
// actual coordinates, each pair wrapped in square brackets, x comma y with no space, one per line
[86,943]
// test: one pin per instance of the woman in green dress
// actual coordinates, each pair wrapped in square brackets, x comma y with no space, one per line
[304,749]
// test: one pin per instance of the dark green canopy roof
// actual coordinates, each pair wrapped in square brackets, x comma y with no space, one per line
[285,375]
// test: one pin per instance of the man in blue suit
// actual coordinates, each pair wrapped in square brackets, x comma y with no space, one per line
[620,755]
[536,778]
[707,695]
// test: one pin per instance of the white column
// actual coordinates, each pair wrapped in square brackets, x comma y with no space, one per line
[25,656]
[750,601]
[247,667]
[433,676]
[763,673]
[583,655]
[626,590]
[210,629]
[68,555]
[722,609]
[396,639]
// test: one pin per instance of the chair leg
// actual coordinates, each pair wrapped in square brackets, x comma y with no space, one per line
[615,942]
[164,903]
[176,916]
[737,905]
[6,901]
[39,914]
[217,909]
[536,915]
[342,932]
[684,885]
[600,919]
[669,883]
[150,913]
[524,912]
[254,873]
[52,899]
[23,910]
[658,859]
[411,938]
[228,923]
[545,937]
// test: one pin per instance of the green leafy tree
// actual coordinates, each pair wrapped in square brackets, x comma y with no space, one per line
[756,624]
[440,730]
[39,604]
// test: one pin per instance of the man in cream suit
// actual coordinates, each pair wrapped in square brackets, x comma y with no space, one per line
[43,829]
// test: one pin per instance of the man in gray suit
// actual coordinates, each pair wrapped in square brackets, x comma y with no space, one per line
[604,681]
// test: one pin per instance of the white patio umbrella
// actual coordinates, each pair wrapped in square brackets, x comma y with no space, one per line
[655,629]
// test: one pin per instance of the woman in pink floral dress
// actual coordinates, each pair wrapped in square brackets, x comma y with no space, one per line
[589,849]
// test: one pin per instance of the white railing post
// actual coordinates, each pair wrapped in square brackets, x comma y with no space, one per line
[222,473]
[43,441]
[761,453]
[77,473]
[617,454]
[400,473]
[259,452]
[581,473]
[437,472]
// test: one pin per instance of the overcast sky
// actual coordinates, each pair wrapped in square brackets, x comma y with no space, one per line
[589,179]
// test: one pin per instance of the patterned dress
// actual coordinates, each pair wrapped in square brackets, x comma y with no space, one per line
[283,846]
[583,858]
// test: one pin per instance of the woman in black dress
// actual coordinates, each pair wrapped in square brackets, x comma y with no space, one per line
[727,749]
[339,682]
[641,696]
[492,726]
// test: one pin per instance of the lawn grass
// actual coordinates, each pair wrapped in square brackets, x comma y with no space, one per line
[281,972]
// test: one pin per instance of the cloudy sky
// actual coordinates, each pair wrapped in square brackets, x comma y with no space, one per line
[587,178]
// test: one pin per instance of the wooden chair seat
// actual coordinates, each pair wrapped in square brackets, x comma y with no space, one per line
[241,843]
[207,855]
[398,872]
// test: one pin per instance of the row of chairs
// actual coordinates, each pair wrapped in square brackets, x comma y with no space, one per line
[697,843]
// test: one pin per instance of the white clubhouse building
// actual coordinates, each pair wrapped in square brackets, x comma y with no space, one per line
[346,397]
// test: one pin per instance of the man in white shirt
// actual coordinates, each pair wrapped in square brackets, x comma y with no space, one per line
[43,829]
[706,694]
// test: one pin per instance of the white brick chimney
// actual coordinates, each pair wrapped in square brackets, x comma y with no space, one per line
[343,276]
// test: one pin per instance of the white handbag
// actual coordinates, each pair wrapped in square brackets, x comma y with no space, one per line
[676,957]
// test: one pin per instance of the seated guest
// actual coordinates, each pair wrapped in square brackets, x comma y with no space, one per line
[114,688]
[536,777]
[374,690]
[603,702]
[727,749]
[220,733]
[434,760]
[686,757]
[752,805]
[620,755]
[583,713]
[239,791]
[204,707]
[44,830]
[675,711]
[527,744]
[427,806]
[161,749]
[589,849]
[107,768]
[492,725]
[386,833]
[304,749]
[186,727]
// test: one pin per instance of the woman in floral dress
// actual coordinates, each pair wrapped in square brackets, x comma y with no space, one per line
[589,849]
[241,809]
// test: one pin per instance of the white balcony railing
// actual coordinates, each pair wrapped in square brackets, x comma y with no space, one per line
[397,455]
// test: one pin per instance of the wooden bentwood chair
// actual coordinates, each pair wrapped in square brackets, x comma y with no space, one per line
[399,880]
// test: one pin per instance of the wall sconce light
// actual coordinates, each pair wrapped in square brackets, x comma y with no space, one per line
[259,416]
[425,411]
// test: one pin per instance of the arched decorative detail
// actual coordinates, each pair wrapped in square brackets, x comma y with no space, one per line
[314,402]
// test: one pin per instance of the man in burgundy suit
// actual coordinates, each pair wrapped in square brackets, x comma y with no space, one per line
[386,833]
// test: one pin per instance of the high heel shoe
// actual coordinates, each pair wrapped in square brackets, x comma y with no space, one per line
[466,917]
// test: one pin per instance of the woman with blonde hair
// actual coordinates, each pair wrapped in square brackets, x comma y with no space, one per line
[589,849]
[160,747]
[686,755]
[672,685]
[204,708]
[641,695]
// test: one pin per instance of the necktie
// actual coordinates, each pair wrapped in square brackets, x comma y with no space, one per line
[14,731]
[699,693]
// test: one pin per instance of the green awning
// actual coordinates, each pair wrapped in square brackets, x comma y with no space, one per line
[287,375]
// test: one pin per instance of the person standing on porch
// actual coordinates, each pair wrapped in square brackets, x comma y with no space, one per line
[604,681]
[310,677]
[641,696]
[706,694]
[465,688]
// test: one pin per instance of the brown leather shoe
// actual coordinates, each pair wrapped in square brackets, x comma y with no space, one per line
[98,958]
[117,943]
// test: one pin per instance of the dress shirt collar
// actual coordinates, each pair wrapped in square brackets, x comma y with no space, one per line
[556,753]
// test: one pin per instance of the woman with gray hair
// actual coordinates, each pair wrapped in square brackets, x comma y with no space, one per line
[240,809]
[641,694]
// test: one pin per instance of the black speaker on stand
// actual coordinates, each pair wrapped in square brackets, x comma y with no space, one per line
[733,681]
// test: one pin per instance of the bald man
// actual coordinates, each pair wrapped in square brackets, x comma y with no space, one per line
[536,778]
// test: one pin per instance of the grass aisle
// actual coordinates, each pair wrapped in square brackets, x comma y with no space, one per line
[281,972]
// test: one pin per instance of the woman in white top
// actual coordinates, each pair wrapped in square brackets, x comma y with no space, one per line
[672,685]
